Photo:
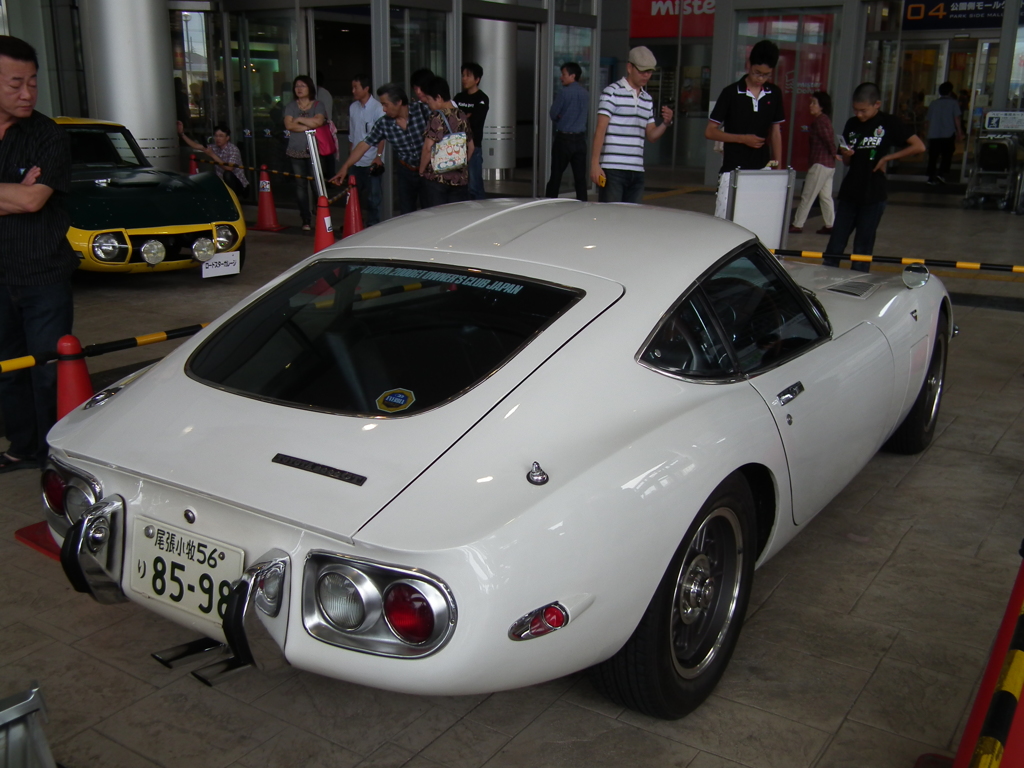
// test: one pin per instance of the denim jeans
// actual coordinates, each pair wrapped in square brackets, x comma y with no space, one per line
[301,166]
[621,187]
[476,175]
[569,149]
[862,217]
[410,189]
[437,193]
[369,193]
[32,319]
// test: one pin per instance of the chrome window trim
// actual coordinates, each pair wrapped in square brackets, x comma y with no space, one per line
[377,639]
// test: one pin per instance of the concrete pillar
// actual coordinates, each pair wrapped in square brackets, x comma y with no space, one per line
[128,65]
[493,45]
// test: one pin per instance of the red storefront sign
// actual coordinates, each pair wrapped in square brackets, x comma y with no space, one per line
[660,18]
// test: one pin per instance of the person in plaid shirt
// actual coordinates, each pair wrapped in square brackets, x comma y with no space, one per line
[822,158]
[402,127]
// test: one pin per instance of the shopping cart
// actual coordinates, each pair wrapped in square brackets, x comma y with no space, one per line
[998,163]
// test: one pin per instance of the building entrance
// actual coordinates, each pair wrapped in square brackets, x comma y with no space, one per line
[970,65]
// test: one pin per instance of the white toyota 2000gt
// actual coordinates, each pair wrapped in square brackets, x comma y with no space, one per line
[493,443]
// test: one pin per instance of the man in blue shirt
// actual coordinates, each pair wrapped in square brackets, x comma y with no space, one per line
[944,132]
[569,114]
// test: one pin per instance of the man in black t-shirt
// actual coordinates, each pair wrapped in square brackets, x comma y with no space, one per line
[474,103]
[747,119]
[873,139]
[36,260]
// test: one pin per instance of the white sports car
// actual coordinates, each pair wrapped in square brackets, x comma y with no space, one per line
[489,444]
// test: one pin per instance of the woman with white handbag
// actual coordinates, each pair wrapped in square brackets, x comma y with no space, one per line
[447,147]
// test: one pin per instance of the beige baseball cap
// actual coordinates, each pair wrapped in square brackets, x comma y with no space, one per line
[642,58]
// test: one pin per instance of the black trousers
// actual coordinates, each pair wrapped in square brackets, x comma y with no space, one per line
[569,149]
[940,150]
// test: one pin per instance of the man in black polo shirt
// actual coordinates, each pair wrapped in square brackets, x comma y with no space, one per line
[747,119]
[36,260]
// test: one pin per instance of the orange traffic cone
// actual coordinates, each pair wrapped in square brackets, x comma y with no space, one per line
[193,166]
[266,213]
[353,211]
[74,386]
[324,230]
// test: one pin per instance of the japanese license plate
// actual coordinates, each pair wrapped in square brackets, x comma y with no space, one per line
[190,572]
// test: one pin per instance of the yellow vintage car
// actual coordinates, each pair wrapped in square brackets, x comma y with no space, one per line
[127,216]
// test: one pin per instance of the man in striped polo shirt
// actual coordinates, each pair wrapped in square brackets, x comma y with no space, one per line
[625,117]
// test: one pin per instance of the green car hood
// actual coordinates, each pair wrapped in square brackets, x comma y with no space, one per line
[145,198]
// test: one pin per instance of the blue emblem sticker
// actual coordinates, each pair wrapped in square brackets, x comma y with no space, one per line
[395,400]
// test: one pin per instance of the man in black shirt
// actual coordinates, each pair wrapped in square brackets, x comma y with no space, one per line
[36,260]
[474,103]
[747,119]
[873,138]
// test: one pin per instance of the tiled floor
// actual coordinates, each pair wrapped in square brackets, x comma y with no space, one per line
[863,647]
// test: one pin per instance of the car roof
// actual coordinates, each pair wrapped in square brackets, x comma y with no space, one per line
[62,120]
[629,244]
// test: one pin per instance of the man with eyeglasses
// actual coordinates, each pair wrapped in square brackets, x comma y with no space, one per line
[747,119]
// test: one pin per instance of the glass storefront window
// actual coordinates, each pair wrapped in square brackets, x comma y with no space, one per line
[418,40]
[575,6]
[1016,95]
[573,44]
[806,38]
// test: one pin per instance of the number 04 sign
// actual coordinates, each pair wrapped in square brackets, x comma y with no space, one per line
[958,14]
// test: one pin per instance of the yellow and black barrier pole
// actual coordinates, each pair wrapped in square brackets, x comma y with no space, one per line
[938,263]
[29,361]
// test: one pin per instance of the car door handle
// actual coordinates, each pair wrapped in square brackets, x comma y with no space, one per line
[790,393]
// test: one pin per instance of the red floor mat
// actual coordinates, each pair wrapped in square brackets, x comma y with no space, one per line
[38,537]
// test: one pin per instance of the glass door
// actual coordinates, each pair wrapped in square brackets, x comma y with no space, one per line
[264,53]
[979,100]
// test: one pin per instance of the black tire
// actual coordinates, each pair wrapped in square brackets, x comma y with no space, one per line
[918,428]
[678,652]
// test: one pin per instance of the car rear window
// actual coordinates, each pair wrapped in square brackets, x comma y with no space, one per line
[377,338]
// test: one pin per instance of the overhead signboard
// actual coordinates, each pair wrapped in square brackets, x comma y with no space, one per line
[660,18]
[959,14]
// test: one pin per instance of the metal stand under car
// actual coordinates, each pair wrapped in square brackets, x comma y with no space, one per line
[22,741]
[996,172]
[761,201]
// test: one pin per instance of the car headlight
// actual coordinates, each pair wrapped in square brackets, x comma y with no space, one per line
[110,246]
[203,249]
[226,237]
[153,252]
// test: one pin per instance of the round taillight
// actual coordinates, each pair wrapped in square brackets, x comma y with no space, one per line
[409,613]
[554,617]
[341,602]
[53,491]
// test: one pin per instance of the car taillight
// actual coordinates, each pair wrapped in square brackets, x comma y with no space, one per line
[409,613]
[53,490]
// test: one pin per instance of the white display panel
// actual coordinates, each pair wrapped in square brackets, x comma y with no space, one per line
[761,201]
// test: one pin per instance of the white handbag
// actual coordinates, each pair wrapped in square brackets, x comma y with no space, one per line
[451,153]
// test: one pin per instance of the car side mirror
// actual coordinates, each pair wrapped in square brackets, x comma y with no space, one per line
[915,275]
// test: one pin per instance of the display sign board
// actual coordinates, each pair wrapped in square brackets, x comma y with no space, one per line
[761,202]
[660,18]
[958,14]
[1004,121]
